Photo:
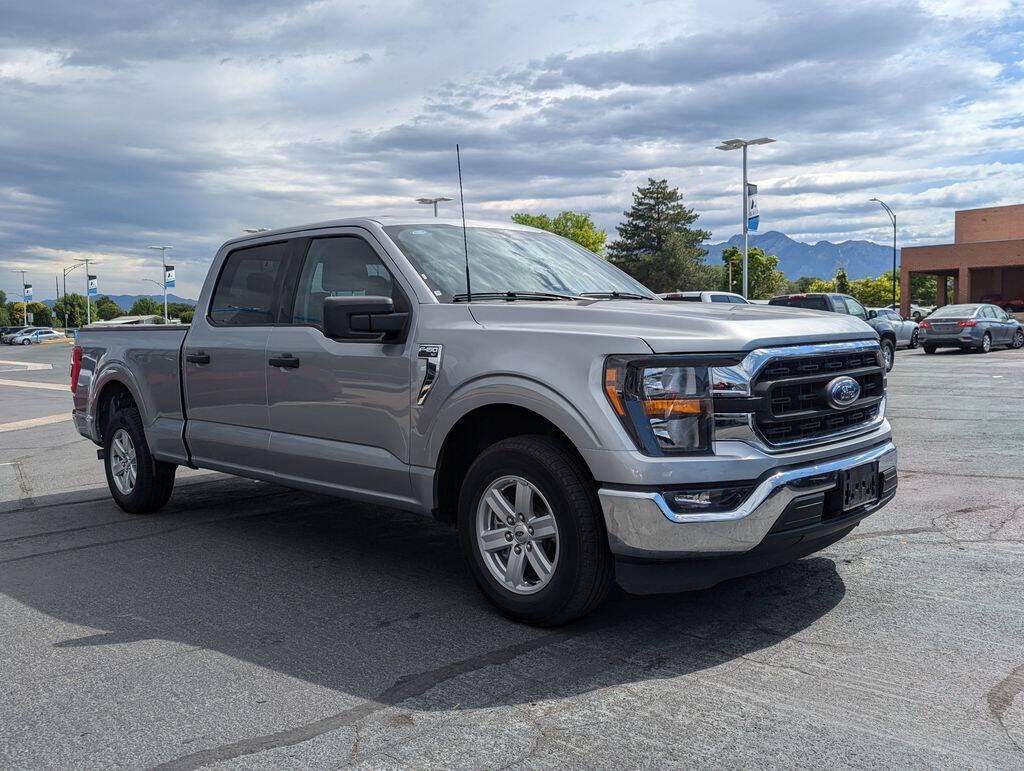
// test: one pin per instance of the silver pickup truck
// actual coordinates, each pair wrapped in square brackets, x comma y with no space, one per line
[577,429]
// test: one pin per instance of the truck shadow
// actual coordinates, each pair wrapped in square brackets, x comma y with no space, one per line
[367,601]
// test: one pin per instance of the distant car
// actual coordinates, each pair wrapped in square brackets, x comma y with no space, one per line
[1008,305]
[37,336]
[705,297]
[917,312]
[843,303]
[907,332]
[8,336]
[971,326]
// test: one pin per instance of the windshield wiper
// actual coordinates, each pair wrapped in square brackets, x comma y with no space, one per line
[517,295]
[616,295]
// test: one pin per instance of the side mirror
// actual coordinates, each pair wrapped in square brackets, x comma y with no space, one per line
[872,314]
[363,318]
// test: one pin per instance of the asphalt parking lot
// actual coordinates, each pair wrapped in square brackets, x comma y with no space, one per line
[249,626]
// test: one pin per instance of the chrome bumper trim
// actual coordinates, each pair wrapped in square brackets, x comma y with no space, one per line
[642,523]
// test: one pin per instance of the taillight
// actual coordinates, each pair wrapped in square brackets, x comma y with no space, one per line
[76,367]
[925,325]
[968,323]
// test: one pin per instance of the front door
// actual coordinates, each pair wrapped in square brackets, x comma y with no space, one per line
[339,409]
[224,364]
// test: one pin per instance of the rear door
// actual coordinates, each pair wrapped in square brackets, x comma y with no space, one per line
[224,368]
[340,409]
[989,318]
[1009,322]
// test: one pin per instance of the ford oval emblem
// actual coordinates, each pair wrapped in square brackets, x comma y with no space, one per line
[842,392]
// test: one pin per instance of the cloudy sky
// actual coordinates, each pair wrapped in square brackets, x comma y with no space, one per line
[127,123]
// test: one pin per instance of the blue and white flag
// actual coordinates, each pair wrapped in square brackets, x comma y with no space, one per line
[169,276]
[752,213]
[93,286]
[28,292]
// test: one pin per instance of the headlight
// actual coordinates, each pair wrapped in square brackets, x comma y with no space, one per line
[665,405]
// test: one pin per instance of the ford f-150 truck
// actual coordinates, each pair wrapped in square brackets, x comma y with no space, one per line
[575,428]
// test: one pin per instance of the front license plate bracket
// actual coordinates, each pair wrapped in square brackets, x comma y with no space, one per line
[859,485]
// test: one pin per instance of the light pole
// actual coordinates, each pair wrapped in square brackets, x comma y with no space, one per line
[736,144]
[67,270]
[163,260]
[433,201]
[24,302]
[892,216]
[88,310]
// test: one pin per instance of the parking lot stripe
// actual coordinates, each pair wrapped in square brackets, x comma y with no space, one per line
[18,425]
[25,365]
[29,384]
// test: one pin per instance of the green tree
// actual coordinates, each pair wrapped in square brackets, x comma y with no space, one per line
[146,306]
[40,314]
[186,316]
[576,226]
[874,292]
[842,281]
[923,288]
[70,310]
[801,285]
[656,243]
[107,309]
[764,279]
[5,315]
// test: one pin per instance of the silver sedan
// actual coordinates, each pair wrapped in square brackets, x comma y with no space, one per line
[906,330]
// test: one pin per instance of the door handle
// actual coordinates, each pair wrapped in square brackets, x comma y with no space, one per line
[199,357]
[285,360]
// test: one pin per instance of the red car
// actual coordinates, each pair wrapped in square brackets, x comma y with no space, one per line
[1010,306]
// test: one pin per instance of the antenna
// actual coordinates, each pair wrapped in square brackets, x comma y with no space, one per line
[465,238]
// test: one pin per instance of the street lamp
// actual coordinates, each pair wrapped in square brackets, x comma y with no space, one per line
[163,259]
[892,216]
[736,144]
[88,311]
[24,302]
[433,201]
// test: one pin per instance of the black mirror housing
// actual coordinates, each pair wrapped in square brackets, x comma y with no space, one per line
[872,314]
[363,318]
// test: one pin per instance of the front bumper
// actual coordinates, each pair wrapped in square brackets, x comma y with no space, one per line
[641,524]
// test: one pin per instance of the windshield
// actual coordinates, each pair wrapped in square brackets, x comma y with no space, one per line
[954,311]
[507,261]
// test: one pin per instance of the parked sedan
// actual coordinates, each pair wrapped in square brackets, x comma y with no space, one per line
[974,326]
[907,333]
[12,332]
[705,297]
[36,336]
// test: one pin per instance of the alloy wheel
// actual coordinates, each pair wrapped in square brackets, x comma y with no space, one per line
[124,465]
[517,535]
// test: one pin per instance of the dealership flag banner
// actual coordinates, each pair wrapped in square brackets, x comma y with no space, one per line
[169,276]
[28,292]
[93,286]
[752,213]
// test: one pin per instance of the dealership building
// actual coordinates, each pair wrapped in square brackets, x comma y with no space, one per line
[986,258]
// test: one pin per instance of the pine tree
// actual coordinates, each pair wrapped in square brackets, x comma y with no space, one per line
[656,243]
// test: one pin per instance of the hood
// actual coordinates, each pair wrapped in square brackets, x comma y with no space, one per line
[669,327]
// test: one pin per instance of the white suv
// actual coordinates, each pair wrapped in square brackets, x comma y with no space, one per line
[705,297]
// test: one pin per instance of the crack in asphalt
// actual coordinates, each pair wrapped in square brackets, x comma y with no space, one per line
[406,687]
[1001,697]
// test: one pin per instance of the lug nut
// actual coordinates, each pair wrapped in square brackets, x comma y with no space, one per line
[529,547]
[522,518]
[518,549]
[508,536]
[511,521]
[530,529]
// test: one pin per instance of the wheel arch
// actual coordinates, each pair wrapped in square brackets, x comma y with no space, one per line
[112,394]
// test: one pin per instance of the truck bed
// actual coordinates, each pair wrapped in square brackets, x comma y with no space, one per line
[148,359]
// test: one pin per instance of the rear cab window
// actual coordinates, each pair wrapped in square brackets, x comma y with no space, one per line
[247,289]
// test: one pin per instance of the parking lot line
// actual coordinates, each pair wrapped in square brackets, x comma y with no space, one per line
[29,384]
[26,365]
[17,425]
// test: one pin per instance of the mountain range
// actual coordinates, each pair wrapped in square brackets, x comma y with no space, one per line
[125,301]
[796,258]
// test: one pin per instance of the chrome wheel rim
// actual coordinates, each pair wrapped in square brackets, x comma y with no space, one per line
[887,353]
[124,465]
[1018,339]
[517,535]
[986,343]
[914,339]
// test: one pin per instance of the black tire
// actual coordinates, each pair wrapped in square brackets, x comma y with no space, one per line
[889,347]
[1018,339]
[986,343]
[914,340]
[26,341]
[584,568]
[929,349]
[154,479]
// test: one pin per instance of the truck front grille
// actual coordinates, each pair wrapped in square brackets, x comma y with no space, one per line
[794,407]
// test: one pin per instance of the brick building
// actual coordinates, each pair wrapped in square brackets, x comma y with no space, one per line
[985,259]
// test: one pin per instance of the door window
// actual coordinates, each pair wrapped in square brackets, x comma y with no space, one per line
[988,312]
[246,291]
[719,298]
[346,266]
[855,308]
